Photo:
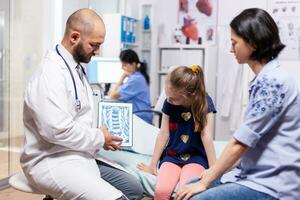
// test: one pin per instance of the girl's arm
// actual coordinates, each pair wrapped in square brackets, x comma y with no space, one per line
[207,139]
[115,93]
[161,142]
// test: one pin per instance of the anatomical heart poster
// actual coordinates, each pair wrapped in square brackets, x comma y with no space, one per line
[198,21]
[117,117]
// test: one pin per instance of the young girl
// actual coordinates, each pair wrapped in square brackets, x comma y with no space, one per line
[184,145]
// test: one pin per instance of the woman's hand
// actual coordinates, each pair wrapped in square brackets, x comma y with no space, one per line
[189,190]
[147,168]
[125,74]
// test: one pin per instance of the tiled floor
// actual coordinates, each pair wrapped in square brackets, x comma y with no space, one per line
[9,156]
[12,194]
[14,163]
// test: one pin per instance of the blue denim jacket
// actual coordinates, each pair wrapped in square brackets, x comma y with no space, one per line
[271,129]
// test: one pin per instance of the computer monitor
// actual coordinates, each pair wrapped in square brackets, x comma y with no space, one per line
[104,70]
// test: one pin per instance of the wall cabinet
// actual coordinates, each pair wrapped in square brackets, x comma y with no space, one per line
[121,33]
[146,34]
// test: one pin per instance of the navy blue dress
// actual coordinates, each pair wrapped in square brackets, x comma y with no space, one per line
[185,145]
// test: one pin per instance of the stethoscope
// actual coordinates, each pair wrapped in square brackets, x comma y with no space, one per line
[77,101]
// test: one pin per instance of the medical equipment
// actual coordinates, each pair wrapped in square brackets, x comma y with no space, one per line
[104,70]
[77,101]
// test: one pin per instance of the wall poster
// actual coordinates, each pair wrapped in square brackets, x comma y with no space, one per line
[286,14]
[197,21]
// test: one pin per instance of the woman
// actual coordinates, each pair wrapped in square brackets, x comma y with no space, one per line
[136,89]
[267,143]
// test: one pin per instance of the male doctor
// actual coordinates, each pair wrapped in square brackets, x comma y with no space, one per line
[60,143]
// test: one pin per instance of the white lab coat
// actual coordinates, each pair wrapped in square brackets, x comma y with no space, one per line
[60,143]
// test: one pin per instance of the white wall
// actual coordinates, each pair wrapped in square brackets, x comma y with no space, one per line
[52,23]
[227,9]
[103,7]
[167,19]
[132,8]
[68,7]
[26,34]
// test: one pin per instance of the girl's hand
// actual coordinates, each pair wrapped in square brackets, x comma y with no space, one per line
[189,190]
[147,168]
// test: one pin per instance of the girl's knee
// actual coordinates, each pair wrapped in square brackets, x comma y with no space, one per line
[162,194]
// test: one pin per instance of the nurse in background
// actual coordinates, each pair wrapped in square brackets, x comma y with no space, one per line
[267,144]
[136,89]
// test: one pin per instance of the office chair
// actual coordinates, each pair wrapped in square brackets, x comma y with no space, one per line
[156,110]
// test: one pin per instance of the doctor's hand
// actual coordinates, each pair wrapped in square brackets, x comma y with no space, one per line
[112,142]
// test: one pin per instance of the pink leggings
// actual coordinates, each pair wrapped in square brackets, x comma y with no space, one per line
[169,174]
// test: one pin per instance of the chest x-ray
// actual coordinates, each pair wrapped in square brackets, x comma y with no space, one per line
[118,119]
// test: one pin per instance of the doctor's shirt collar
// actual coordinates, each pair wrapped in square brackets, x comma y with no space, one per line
[67,56]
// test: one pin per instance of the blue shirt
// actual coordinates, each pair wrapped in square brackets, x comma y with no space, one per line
[185,145]
[136,91]
[271,129]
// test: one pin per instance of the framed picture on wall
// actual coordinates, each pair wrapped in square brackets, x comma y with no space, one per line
[117,117]
[197,20]
[287,17]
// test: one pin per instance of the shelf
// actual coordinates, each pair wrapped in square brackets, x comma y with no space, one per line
[146,31]
[130,44]
[182,46]
[146,50]
[162,73]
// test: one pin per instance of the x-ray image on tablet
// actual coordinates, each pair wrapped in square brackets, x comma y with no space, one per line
[118,119]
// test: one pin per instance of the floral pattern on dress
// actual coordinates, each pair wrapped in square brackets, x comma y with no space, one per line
[266,94]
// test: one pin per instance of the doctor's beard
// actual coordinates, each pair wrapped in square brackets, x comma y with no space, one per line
[80,56]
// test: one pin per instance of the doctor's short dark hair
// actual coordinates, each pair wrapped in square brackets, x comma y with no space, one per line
[258,29]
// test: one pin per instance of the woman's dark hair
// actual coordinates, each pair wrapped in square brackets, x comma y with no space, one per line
[258,29]
[130,56]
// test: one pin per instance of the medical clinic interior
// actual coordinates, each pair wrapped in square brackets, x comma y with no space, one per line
[206,38]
